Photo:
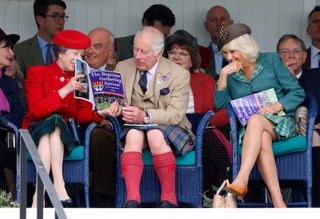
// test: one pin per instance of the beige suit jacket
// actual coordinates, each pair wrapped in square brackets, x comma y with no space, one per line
[170,107]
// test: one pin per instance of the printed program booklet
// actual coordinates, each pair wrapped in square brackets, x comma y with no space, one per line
[245,107]
[103,87]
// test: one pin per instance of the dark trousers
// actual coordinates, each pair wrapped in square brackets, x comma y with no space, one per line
[316,176]
[103,162]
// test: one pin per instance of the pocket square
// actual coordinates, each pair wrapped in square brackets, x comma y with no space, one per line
[164,91]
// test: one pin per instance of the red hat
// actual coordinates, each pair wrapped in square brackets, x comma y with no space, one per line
[13,38]
[72,39]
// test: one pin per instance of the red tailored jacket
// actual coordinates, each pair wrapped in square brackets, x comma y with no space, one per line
[42,85]
[202,86]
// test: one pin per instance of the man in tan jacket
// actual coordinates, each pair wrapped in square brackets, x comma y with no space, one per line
[157,94]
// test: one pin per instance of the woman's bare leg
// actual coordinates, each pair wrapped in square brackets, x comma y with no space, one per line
[44,151]
[57,152]
[267,168]
[251,147]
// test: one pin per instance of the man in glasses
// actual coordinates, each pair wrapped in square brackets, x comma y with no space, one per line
[292,51]
[50,18]
[313,29]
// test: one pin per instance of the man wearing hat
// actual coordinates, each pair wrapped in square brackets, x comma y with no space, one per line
[249,72]
[51,103]
[50,18]
[10,107]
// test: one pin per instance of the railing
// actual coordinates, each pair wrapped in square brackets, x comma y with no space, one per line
[43,180]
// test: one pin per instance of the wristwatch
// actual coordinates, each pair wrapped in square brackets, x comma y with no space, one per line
[147,119]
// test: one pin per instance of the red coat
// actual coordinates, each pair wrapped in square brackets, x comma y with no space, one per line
[42,85]
[202,86]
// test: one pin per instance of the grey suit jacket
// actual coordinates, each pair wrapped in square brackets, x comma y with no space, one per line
[170,89]
[28,53]
[124,47]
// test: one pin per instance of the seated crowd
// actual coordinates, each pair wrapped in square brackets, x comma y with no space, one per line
[164,77]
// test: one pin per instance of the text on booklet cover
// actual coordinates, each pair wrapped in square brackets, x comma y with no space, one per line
[247,106]
[103,86]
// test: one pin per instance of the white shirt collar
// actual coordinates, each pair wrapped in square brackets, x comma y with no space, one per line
[101,68]
[299,74]
[314,51]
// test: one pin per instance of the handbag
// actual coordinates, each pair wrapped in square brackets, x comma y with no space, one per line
[227,201]
[76,130]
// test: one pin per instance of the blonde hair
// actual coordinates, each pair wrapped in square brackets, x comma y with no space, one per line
[247,45]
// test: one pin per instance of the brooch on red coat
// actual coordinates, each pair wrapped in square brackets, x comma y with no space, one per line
[62,79]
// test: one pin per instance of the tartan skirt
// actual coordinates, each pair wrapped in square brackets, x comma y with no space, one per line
[47,126]
[284,127]
[176,137]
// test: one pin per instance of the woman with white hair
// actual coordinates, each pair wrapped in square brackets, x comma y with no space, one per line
[250,72]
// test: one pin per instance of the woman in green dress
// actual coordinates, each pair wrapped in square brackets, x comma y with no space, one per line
[250,72]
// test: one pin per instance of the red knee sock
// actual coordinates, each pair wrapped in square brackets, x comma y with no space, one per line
[132,167]
[165,166]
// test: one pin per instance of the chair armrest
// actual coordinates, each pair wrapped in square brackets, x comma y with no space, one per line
[6,123]
[87,139]
[201,120]
[118,130]
[311,103]
[234,136]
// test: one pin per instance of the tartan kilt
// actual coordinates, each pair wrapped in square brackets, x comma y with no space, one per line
[176,137]
[47,126]
[284,127]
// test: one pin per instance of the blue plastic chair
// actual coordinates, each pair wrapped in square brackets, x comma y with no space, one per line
[291,166]
[75,168]
[189,178]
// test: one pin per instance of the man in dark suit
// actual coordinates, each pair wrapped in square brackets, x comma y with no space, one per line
[310,81]
[217,17]
[292,51]
[50,18]
[102,140]
[158,16]
[313,55]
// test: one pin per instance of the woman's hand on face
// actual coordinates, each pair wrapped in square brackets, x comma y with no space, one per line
[114,110]
[232,67]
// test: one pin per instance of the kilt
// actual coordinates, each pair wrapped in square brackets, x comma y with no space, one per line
[176,137]
[284,127]
[47,126]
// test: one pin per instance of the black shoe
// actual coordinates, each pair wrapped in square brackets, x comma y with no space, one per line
[166,204]
[132,204]
[67,203]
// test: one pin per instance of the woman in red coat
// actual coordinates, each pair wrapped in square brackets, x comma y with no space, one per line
[51,103]
[182,48]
